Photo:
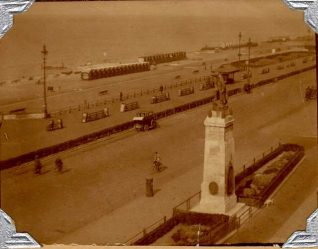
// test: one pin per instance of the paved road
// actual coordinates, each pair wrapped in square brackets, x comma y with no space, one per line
[22,136]
[107,175]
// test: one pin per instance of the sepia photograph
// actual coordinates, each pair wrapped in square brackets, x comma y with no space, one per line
[159,123]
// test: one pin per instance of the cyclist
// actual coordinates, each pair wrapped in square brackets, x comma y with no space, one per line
[156,161]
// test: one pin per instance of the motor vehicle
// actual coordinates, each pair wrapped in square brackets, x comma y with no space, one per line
[143,121]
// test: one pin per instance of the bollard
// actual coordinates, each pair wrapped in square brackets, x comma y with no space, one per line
[106,111]
[60,124]
[149,187]
[122,107]
[84,117]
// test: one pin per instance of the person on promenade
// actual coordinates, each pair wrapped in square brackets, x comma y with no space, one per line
[37,165]
[161,89]
[59,165]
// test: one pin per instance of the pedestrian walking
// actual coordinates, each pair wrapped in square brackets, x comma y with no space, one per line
[37,165]
[59,165]
[161,89]
[6,136]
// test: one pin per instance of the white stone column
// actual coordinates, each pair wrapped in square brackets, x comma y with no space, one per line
[218,185]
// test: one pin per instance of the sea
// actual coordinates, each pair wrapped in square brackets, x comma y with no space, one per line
[78,33]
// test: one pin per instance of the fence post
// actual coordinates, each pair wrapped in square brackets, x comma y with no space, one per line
[188,204]
[164,219]
[239,222]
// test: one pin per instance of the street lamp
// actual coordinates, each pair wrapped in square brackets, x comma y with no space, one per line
[239,47]
[249,44]
[44,53]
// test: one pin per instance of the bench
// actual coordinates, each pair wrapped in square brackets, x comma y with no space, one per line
[207,85]
[160,98]
[88,117]
[103,92]
[55,125]
[124,107]
[20,110]
[186,91]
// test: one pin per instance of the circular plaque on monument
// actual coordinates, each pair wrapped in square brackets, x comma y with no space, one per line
[214,188]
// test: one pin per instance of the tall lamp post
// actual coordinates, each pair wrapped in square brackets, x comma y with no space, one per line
[239,47]
[249,44]
[44,53]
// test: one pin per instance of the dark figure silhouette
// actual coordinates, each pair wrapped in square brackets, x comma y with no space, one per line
[37,166]
[59,165]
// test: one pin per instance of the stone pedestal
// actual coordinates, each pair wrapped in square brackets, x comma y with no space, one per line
[218,186]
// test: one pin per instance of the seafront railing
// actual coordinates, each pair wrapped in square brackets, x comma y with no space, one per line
[43,152]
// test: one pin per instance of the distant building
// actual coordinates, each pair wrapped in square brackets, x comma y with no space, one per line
[279,39]
[228,72]
[163,58]
[92,72]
